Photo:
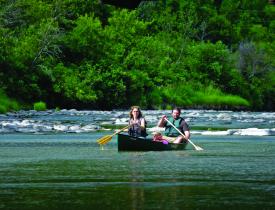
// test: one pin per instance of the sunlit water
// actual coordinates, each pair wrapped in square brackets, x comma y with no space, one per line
[64,170]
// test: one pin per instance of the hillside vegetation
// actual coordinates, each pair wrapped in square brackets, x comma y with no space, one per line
[86,54]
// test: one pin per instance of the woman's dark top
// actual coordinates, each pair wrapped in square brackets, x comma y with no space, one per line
[135,130]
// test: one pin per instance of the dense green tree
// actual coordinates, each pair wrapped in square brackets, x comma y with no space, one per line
[174,52]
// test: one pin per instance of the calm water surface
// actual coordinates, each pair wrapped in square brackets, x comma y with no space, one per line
[70,171]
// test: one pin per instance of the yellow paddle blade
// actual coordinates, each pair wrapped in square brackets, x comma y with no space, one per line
[104,140]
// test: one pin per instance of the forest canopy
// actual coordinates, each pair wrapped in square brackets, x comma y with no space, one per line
[87,54]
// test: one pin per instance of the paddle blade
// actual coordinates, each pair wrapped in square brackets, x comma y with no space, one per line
[104,139]
[195,146]
[198,148]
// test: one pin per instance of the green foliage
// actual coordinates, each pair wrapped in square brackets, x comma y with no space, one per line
[7,104]
[269,90]
[210,61]
[28,44]
[175,52]
[122,34]
[214,97]
[187,95]
[85,39]
[40,106]
[22,13]
[258,32]
[151,55]
[2,109]
[71,82]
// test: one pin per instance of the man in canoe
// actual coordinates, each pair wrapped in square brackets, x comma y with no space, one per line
[137,122]
[171,134]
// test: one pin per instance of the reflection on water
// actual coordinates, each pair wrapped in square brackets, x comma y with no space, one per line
[69,171]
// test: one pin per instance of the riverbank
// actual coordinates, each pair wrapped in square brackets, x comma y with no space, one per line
[200,101]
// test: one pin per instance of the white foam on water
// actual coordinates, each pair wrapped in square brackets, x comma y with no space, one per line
[240,132]
[255,132]
[155,129]
[248,123]
[216,133]
[121,121]
[90,127]
[60,127]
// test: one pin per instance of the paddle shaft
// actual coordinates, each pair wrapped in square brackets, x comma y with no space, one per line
[196,147]
[120,130]
[108,138]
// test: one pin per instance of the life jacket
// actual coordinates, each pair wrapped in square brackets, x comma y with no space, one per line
[135,130]
[170,130]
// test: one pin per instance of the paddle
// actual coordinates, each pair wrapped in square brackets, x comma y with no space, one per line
[106,139]
[196,147]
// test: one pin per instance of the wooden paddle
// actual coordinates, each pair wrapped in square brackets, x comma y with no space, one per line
[196,147]
[106,139]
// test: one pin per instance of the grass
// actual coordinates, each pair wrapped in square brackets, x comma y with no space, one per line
[202,98]
[186,95]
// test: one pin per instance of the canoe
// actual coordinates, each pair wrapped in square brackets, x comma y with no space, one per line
[126,142]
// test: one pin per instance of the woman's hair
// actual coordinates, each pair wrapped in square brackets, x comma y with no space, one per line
[139,112]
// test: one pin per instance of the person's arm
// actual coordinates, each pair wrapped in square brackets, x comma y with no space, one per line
[129,124]
[142,123]
[187,134]
[186,130]
[162,121]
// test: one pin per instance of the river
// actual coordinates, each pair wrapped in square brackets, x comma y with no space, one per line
[50,160]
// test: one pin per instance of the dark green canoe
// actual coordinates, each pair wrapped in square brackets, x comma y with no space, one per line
[130,143]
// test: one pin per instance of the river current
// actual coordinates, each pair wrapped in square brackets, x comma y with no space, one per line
[205,122]
[50,160]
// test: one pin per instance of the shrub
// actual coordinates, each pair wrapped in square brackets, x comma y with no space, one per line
[39,106]
[7,104]
[3,109]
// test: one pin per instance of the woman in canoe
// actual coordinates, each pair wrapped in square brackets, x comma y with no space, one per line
[137,122]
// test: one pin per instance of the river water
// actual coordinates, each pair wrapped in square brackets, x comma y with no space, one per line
[50,160]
